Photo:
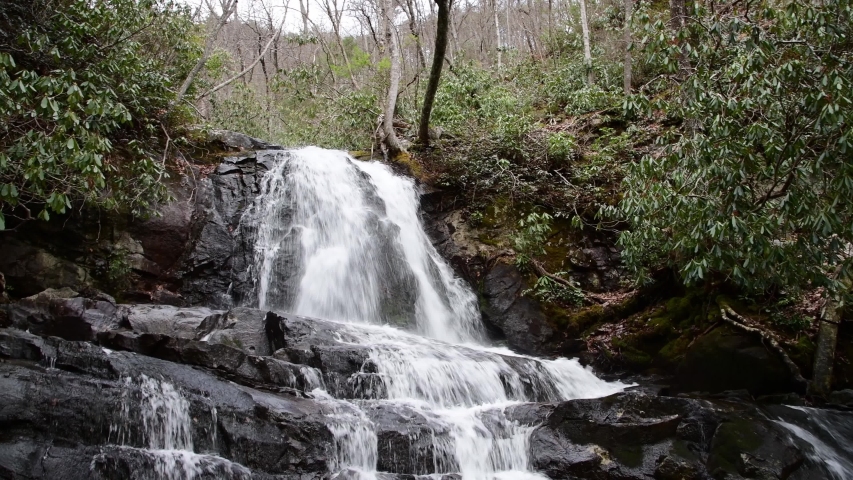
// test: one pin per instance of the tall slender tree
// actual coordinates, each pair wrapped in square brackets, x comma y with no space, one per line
[587,49]
[441,33]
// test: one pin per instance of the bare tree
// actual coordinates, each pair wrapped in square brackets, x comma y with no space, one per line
[252,65]
[627,75]
[441,31]
[497,30]
[228,7]
[390,142]
[587,50]
[335,14]
[411,13]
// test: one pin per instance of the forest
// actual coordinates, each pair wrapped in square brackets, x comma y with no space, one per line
[651,170]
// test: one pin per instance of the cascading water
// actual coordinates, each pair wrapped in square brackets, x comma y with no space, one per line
[824,436]
[341,239]
[166,434]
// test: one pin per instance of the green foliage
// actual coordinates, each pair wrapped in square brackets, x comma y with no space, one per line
[562,146]
[784,317]
[755,185]
[298,112]
[118,271]
[531,237]
[83,85]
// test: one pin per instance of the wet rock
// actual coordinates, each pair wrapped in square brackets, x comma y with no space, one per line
[841,397]
[407,439]
[143,464]
[166,319]
[518,318]
[637,436]
[240,141]
[241,328]
[63,313]
[214,269]
[77,394]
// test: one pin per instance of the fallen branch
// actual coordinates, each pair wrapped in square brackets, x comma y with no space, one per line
[733,318]
[540,271]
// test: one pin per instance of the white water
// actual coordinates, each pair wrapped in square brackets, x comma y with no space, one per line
[164,415]
[826,439]
[341,239]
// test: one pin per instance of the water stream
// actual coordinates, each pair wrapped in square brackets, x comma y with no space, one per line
[341,239]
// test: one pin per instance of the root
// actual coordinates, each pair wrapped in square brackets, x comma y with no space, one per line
[736,320]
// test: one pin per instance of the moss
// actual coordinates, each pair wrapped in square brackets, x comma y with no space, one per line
[587,318]
[631,356]
[732,439]
[410,164]
[361,154]
[673,350]
[629,455]
[802,353]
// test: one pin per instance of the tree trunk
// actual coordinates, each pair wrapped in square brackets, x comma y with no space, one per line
[435,72]
[497,31]
[412,13]
[627,75]
[827,337]
[389,138]
[678,17]
[587,50]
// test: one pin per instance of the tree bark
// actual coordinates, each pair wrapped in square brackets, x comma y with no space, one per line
[441,31]
[827,338]
[390,142]
[587,49]
[627,74]
[497,31]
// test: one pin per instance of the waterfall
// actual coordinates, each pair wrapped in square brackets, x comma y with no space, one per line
[166,451]
[341,239]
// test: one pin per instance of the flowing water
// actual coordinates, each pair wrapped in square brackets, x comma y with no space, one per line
[166,430]
[825,438]
[341,239]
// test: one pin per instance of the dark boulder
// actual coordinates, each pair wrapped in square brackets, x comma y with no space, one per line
[728,359]
[637,436]
[64,313]
[518,318]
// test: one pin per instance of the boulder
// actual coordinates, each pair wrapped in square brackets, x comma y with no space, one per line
[728,359]
[63,313]
[31,269]
[519,319]
[638,436]
[166,319]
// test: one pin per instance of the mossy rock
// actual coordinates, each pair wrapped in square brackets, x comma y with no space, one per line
[412,166]
[729,359]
